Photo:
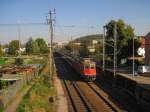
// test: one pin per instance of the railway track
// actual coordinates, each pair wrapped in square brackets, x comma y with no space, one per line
[102,95]
[81,103]
[83,96]
[97,98]
[78,100]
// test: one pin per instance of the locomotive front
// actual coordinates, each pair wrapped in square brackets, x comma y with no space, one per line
[89,69]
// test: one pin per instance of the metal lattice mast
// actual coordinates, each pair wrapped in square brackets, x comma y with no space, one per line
[103,48]
[18,28]
[133,59]
[50,22]
[115,47]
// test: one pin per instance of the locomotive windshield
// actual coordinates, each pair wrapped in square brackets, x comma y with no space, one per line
[93,67]
[86,67]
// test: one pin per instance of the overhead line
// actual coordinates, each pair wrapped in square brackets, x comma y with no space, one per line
[70,26]
[23,24]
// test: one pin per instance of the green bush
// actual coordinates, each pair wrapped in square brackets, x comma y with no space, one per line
[2,61]
[19,61]
[1,109]
[21,108]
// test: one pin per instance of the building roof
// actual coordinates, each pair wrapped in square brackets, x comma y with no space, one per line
[148,35]
[10,77]
[147,39]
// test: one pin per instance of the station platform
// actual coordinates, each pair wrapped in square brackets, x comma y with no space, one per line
[142,80]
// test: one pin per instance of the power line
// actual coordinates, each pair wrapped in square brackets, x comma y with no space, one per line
[16,24]
[64,26]
[18,28]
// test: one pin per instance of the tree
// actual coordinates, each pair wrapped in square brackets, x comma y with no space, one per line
[125,34]
[29,46]
[128,51]
[99,48]
[13,47]
[1,52]
[83,51]
[32,47]
[43,47]
[68,48]
[35,48]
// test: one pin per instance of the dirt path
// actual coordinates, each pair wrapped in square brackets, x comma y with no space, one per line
[18,98]
[13,106]
[61,103]
[46,69]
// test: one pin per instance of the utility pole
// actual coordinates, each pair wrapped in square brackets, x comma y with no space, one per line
[103,48]
[18,28]
[115,47]
[72,45]
[133,59]
[51,61]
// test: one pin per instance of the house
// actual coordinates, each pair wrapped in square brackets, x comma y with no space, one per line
[91,49]
[22,49]
[60,44]
[5,50]
[95,42]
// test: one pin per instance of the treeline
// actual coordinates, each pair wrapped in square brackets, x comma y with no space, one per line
[125,35]
[82,45]
[124,43]
[31,47]
[37,46]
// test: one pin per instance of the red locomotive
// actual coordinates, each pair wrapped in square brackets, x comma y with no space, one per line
[86,67]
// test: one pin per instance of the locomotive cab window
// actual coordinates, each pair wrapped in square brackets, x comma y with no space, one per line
[86,67]
[92,66]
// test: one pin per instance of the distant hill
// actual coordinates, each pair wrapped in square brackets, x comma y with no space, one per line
[89,38]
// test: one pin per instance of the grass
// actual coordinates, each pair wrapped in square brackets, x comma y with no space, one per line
[6,61]
[2,61]
[34,60]
[1,109]
[37,99]
[24,87]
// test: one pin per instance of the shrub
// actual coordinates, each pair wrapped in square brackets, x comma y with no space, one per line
[19,61]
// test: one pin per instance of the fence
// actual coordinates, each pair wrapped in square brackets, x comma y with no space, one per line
[8,94]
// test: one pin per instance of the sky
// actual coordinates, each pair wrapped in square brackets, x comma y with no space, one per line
[87,17]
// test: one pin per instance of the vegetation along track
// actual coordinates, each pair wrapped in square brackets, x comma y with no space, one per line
[82,96]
